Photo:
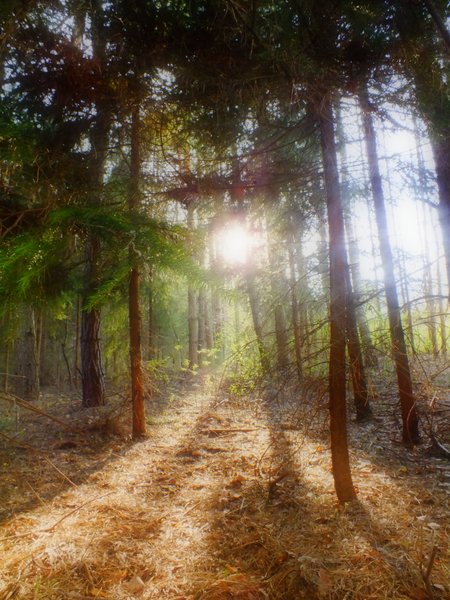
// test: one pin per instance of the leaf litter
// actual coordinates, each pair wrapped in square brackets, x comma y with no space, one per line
[233,499]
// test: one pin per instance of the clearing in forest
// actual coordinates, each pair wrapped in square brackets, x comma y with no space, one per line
[224,499]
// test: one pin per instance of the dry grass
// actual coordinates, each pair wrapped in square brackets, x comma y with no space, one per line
[224,500]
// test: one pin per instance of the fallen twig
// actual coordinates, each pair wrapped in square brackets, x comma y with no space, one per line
[64,517]
[219,430]
[427,575]
[24,404]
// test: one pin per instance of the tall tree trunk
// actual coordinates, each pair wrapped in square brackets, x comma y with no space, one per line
[134,311]
[193,324]
[281,336]
[28,359]
[92,375]
[201,327]
[151,332]
[357,369]
[441,152]
[368,348]
[338,269]
[256,319]
[302,290]
[76,343]
[408,405]
[295,311]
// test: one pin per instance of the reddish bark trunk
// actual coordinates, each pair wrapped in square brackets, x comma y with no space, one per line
[407,400]
[338,269]
[137,388]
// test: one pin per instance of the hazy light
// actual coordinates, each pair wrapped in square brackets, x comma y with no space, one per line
[234,244]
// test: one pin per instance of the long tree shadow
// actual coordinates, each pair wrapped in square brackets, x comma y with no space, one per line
[44,460]
[374,529]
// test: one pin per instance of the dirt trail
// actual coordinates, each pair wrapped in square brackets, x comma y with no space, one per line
[219,502]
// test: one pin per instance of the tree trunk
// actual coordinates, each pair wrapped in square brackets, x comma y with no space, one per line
[338,268]
[357,370]
[193,323]
[76,344]
[281,336]
[407,400]
[201,327]
[151,333]
[295,312]
[441,153]
[92,375]
[193,327]
[28,359]
[134,311]
[256,318]
[368,348]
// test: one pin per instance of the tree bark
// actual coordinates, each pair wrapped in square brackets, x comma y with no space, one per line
[193,324]
[134,311]
[357,369]
[338,268]
[281,336]
[410,432]
[295,311]
[28,359]
[201,326]
[92,375]
[441,153]
[256,319]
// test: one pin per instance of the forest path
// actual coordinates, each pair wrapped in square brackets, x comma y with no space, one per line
[224,500]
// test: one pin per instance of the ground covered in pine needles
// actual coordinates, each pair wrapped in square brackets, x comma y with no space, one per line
[226,498]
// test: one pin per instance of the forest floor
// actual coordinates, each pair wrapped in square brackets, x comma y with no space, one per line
[224,499]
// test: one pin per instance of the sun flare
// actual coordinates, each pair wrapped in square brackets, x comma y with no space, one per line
[234,245]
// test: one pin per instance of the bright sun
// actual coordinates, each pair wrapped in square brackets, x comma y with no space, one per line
[233,244]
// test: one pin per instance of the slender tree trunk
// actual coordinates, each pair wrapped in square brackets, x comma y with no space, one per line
[281,337]
[193,327]
[134,311]
[76,349]
[208,325]
[256,318]
[151,333]
[193,323]
[295,312]
[441,152]
[28,359]
[442,312]
[407,400]
[201,326]
[92,375]
[429,301]
[357,370]
[338,269]
[368,347]
[323,251]
[302,290]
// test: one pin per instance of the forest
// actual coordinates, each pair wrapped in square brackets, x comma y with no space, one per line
[224,299]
